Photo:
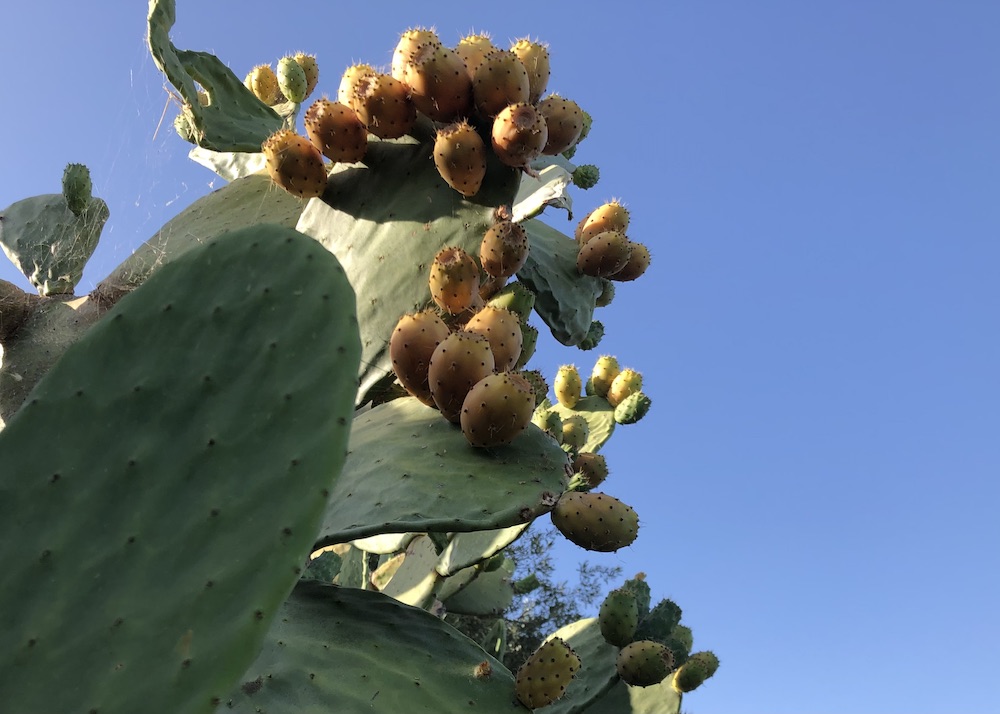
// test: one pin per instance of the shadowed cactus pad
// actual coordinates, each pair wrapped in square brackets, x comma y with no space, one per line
[544,676]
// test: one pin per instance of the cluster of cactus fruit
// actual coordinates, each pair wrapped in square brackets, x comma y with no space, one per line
[360,516]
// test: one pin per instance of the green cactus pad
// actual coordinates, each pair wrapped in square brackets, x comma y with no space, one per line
[77,188]
[548,188]
[564,298]
[386,222]
[411,470]
[489,594]
[467,549]
[324,567]
[453,583]
[344,650]
[385,543]
[164,482]
[240,204]
[414,579]
[235,120]
[596,676]
[48,242]
[660,698]
[600,416]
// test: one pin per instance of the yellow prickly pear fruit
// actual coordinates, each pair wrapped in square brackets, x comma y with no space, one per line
[604,255]
[644,663]
[438,83]
[472,49]
[611,216]
[638,262]
[497,409]
[625,383]
[410,42]
[310,67]
[593,468]
[347,92]
[295,164]
[575,433]
[519,134]
[460,157]
[263,82]
[564,120]
[336,131]
[291,80]
[411,346]
[567,385]
[595,521]
[535,58]
[384,106]
[504,249]
[503,330]
[457,364]
[605,370]
[544,676]
[454,280]
[500,80]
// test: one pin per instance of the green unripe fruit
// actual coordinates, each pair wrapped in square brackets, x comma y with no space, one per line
[568,385]
[633,408]
[586,176]
[607,294]
[184,126]
[291,80]
[595,333]
[605,370]
[544,676]
[548,421]
[529,340]
[595,521]
[644,663]
[538,384]
[693,673]
[618,617]
[77,188]
[660,622]
[516,297]
[643,596]
[575,432]
[684,637]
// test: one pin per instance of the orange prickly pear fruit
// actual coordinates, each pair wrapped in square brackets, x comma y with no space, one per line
[460,157]
[500,80]
[410,42]
[625,383]
[644,663]
[504,249]
[384,106]
[544,676]
[454,280]
[605,370]
[347,92]
[519,134]
[472,49]
[457,364]
[311,69]
[567,385]
[410,348]
[438,83]
[295,164]
[604,255]
[263,82]
[564,120]
[336,131]
[535,58]
[595,521]
[638,262]
[503,330]
[611,216]
[497,409]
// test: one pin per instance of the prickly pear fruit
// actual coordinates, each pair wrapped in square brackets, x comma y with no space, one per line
[593,468]
[438,83]
[544,676]
[549,421]
[595,521]
[529,340]
[564,121]
[538,384]
[638,261]
[500,80]
[457,364]
[644,663]
[610,216]
[660,621]
[604,255]
[411,346]
[460,157]
[504,249]
[350,82]
[680,643]
[263,83]
[626,382]
[535,58]
[605,370]
[497,409]
[77,188]
[519,134]
[473,49]
[335,130]
[693,673]
[595,333]
[410,43]
[618,618]
[607,293]
[575,432]
[632,408]
[586,176]
[384,106]
[517,298]
[292,80]
[503,330]
[295,164]
[567,385]
[454,280]
[310,67]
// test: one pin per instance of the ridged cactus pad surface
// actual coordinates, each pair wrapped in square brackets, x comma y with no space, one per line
[344,650]
[411,470]
[162,485]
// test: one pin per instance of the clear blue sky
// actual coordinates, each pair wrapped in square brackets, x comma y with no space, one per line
[818,183]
